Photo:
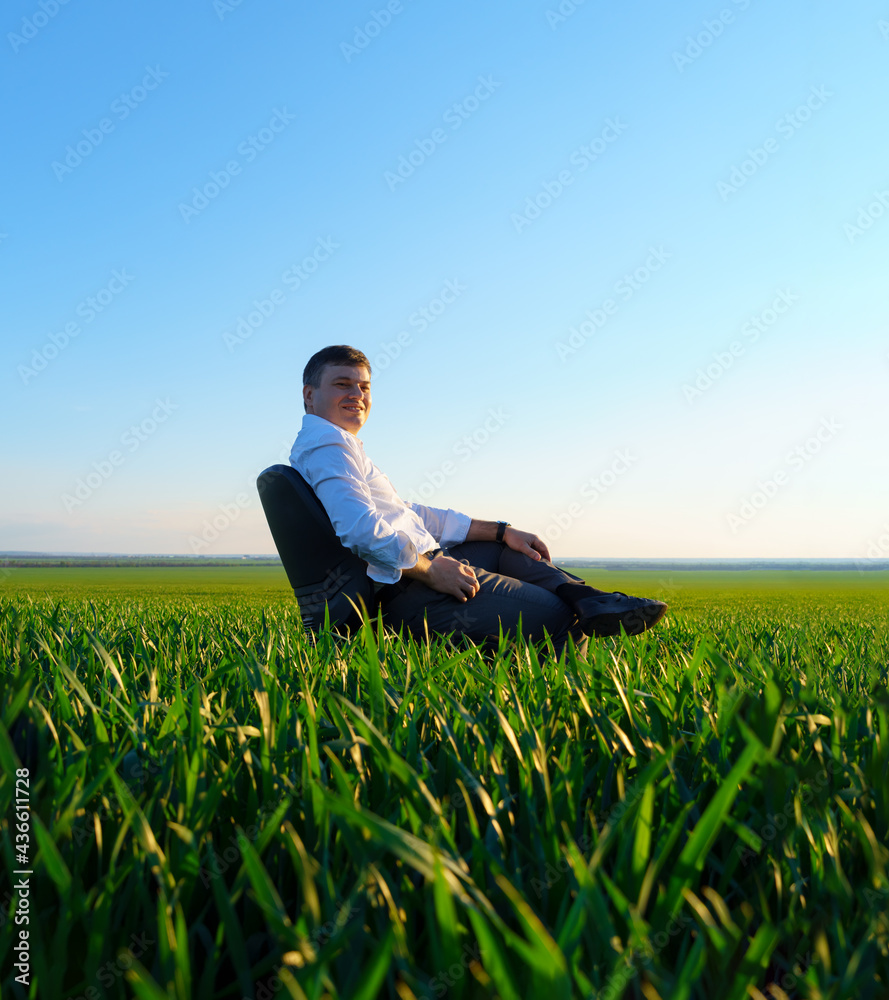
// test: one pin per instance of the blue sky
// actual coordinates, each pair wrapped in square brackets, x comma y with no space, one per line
[649,243]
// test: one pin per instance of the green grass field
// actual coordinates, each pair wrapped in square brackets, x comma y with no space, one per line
[221,806]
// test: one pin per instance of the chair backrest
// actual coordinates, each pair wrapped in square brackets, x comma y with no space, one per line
[321,570]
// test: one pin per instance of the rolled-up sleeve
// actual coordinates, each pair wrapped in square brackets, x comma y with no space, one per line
[447,526]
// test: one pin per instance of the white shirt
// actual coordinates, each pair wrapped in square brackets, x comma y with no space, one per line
[367,514]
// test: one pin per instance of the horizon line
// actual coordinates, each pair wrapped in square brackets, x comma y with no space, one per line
[37,554]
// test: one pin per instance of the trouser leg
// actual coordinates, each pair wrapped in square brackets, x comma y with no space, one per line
[498,557]
[511,585]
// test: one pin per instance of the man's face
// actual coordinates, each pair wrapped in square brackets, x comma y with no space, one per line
[343,397]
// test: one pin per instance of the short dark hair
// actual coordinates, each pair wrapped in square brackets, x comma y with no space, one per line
[338,354]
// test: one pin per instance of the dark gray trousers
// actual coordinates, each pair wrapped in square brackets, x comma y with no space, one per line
[510,584]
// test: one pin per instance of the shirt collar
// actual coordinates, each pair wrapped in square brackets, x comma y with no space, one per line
[312,422]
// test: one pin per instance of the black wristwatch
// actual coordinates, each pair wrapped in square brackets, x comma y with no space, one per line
[501,529]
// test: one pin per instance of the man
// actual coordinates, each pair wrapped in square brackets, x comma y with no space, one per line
[433,565]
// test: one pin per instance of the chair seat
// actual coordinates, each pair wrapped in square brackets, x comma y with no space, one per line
[321,570]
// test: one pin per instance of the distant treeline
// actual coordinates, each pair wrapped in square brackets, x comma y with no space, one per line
[110,562]
[726,564]
[206,562]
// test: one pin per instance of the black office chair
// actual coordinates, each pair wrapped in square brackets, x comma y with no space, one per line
[321,570]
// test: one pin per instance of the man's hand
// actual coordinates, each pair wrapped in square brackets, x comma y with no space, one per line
[522,541]
[446,575]
[527,542]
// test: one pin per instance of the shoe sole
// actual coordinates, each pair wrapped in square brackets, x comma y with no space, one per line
[634,622]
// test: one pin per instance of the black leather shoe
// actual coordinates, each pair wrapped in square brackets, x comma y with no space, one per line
[604,614]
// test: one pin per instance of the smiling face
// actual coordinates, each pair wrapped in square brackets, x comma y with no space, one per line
[343,397]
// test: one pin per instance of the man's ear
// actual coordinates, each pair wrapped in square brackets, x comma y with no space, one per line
[307,398]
